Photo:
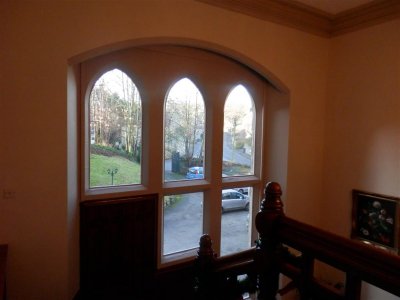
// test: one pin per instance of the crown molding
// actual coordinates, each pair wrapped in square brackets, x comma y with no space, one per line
[365,15]
[303,17]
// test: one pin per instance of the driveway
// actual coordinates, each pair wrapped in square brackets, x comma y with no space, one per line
[183,226]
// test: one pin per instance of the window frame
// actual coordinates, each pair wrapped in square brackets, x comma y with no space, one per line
[212,184]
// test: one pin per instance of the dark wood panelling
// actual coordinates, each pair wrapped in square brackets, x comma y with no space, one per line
[118,248]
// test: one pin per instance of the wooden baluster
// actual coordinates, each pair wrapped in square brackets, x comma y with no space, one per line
[268,246]
[353,286]
[307,275]
[205,283]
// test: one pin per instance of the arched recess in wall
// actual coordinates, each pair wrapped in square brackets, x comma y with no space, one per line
[276,132]
[272,114]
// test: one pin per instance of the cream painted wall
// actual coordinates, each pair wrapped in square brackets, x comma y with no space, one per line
[362,148]
[363,126]
[39,38]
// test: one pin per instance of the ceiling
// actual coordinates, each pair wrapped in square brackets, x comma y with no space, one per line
[334,6]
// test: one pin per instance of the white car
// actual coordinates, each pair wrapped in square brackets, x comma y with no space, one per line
[232,199]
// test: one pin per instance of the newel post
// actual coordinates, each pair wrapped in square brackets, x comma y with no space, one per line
[268,246]
[205,283]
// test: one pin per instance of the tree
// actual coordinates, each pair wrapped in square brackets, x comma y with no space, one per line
[132,115]
[116,114]
[184,121]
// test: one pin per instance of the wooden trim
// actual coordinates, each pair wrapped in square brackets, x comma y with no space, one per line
[359,261]
[372,265]
[306,18]
[373,13]
[284,12]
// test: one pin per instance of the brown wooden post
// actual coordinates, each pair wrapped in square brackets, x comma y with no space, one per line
[205,283]
[353,286]
[268,246]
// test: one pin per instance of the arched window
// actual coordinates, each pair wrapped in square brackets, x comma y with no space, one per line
[239,123]
[194,135]
[115,123]
[184,132]
[237,160]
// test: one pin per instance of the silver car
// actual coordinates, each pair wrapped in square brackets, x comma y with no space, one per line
[242,190]
[232,199]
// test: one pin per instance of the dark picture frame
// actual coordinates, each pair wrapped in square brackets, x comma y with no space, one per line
[375,220]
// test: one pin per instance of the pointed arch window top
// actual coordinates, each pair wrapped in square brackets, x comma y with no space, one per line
[184,90]
[115,130]
[239,130]
[119,83]
[184,132]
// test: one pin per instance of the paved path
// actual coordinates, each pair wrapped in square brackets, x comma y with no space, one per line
[183,226]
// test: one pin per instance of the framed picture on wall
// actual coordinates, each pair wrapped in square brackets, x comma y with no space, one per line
[375,220]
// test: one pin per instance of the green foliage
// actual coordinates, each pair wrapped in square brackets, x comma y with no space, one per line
[239,145]
[128,171]
[171,200]
[110,151]
[115,114]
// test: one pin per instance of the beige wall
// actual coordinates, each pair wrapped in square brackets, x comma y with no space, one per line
[39,38]
[362,147]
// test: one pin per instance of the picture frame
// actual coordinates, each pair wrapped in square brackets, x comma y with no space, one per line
[375,220]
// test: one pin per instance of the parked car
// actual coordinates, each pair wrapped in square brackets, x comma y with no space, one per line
[232,199]
[242,190]
[195,173]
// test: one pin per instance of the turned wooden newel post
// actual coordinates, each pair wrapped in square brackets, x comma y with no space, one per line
[268,246]
[205,282]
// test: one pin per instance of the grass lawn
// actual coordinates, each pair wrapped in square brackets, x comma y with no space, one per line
[128,171]
[236,170]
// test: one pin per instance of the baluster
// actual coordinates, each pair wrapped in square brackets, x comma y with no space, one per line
[268,246]
[353,286]
[205,283]
[306,278]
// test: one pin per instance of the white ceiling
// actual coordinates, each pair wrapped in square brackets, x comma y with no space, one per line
[334,6]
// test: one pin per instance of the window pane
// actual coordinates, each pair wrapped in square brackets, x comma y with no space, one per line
[115,131]
[183,222]
[238,133]
[184,132]
[235,222]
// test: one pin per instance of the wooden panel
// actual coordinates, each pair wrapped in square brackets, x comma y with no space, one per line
[118,247]
[3,260]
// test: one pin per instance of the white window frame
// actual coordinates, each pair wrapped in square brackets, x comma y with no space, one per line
[152,162]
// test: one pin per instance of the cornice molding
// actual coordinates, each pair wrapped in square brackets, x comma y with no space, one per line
[303,17]
[372,13]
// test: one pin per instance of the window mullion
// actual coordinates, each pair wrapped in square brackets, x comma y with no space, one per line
[214,138]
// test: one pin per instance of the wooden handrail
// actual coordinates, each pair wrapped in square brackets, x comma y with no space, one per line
[278,236]
[372,265]
[3,260]
[360,262]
